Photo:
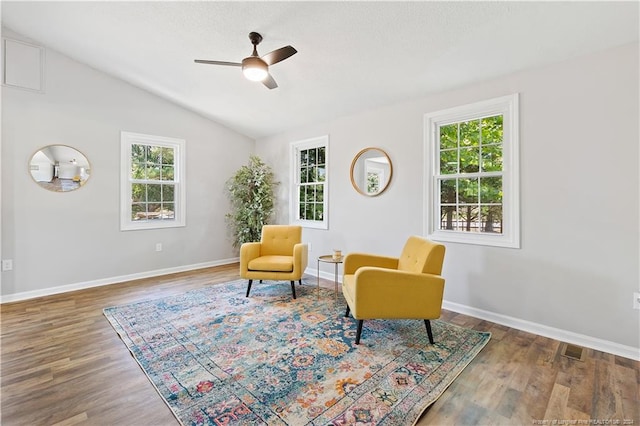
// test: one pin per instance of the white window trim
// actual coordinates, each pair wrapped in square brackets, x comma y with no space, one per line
[508,107]
[126,140]
[294,201]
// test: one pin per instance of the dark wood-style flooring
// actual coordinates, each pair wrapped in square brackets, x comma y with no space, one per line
[63,364]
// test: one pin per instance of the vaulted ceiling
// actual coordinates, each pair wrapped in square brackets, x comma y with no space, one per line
[352,56]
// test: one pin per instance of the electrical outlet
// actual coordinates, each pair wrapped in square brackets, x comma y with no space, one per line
[158,246]
[7,265]
[636,300]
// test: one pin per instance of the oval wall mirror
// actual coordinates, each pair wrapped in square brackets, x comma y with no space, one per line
[371,171]
[59,168]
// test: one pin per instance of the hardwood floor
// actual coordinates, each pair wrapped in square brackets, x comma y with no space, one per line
[63,364]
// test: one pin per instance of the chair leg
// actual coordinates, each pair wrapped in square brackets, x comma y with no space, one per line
[428,324]
[359,331]
[300,282]
[293,288]
[249,288]
[346,314]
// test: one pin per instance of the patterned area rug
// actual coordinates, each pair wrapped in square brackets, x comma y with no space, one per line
[219,358]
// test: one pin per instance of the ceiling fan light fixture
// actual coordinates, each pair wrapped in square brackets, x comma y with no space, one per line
[254,69]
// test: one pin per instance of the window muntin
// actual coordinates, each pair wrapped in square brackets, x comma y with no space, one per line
[472,173]
[153,185]
[152,182]
[309,182]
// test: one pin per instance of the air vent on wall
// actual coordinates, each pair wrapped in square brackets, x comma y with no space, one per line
[23,65]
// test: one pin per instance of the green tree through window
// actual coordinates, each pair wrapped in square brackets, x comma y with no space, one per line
[373,183]
[312,178]
[470,181]
[309,185]
[152,182]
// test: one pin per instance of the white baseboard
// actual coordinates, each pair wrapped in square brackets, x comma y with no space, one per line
[16,297]
[528,326]
[519,324]
[546,331]
[329,276]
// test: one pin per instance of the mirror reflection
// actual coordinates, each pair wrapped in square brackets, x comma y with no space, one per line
[59,168]
[371,171]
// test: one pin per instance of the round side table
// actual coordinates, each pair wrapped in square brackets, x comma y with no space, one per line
[328,258]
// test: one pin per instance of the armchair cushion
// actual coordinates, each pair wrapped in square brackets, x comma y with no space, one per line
[279,239]
[272,263]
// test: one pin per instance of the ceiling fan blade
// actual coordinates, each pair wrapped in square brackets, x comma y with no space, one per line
[270,82]
[279,55]
[231,64]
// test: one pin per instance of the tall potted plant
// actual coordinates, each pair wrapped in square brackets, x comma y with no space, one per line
[251,191]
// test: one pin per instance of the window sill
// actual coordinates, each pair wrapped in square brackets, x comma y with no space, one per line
[492,240]
[133,226]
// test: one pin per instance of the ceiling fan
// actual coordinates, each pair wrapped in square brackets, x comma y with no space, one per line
[254,67]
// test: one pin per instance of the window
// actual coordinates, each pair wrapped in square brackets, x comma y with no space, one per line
[374,177]
[152,182]
[471,168]
[309,160]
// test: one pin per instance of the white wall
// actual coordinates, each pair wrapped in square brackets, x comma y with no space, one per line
[578,265]
[65,239]
[68,171]
[43,171]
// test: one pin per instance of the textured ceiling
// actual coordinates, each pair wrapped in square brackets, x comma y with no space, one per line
[352,56]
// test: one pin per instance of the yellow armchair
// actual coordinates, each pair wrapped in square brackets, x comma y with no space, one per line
[405,287]
[280,255]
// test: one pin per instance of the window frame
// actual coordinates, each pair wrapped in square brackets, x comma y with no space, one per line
[508,107]
[127,139]
[294,192]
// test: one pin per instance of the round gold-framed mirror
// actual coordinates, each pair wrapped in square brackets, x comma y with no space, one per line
[371,171]
[59,168]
